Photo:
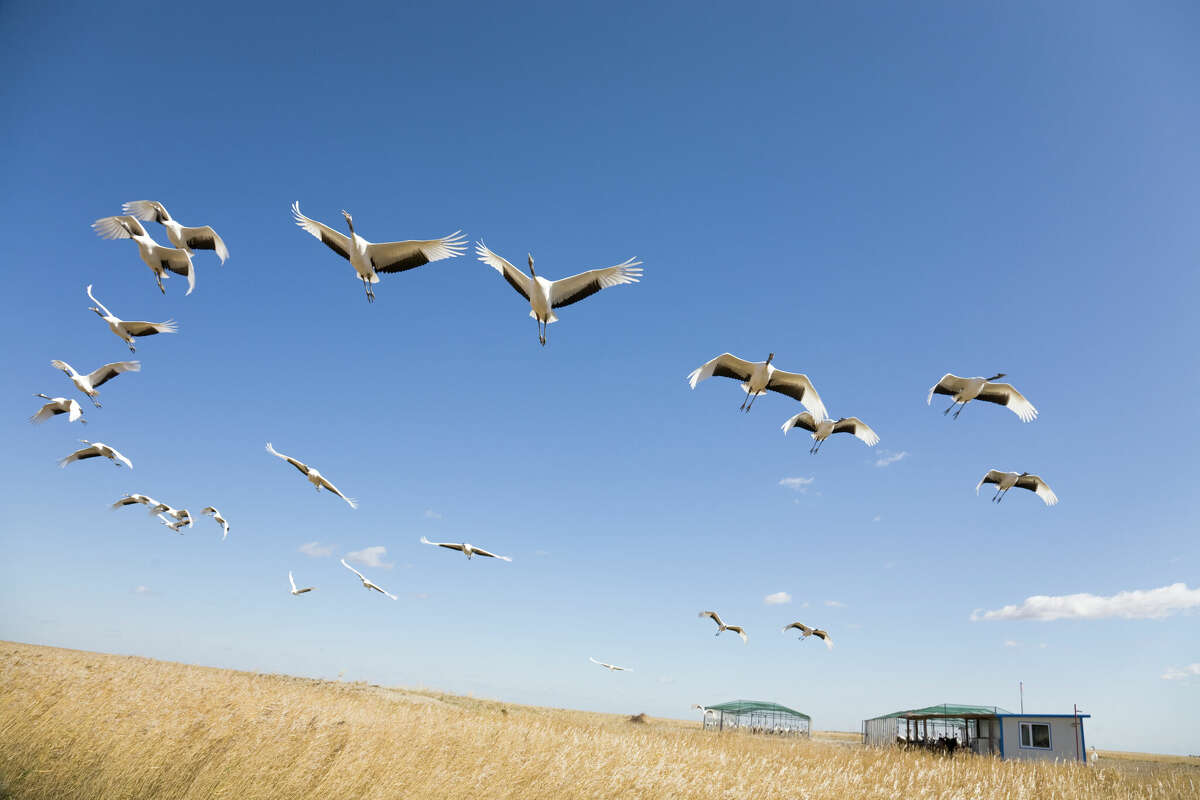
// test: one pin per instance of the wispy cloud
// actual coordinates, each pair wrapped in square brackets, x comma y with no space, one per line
[877,518]
[1011,643]
[666,679]
[1182,673]
[316,549]
[797,484]
[835,604]
[431,514]
[777,599]
[1136,604]
[888,457]
[370,557]
[144,591]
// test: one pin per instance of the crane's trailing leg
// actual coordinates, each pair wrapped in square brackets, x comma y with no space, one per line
[752,397]
[950,408]
[95,402]
[367,288]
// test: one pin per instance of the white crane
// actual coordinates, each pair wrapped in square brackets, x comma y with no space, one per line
[161,260]
[609,667]
[58,405]
[1022,480]
[367,584]
[126,330]
[721,626]
[465,548]
[183,237]
[825,428]
[964,390]
[135,499]
[212,511]
[806,632]
[315,478]
[546,295]
[759,377]
[295,591]
[174,524]
[94,450]
[370,259]
[97,377]
[181,514]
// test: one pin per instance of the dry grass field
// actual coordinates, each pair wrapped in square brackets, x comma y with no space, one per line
[85,725]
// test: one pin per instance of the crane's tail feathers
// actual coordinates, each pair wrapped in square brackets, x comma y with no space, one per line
[552,318]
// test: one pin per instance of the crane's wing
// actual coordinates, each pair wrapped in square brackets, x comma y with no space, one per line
[148,210]
[62,365]
[111,227]
[713,616]
[739,631]
[594,661]
[104,374]
[517,279]
[291,580]
[858,428]
[1004,394]
[325,482]
[92,297]
[992,476]
[116,456]
[297,464]
[799,626]
[178,261]
[570,290]
[75,410]
[824,636]
[486,554]
[46,412]
[1035,484]
[205,238]
[337,242]
[352,569]
[141,328]
[949,384]
[210,510]
[435,544]
[725,365]
[798,387]
[449,545]
[802,420]
[401,256]
[80,455]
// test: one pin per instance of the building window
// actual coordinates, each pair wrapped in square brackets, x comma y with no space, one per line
[1035,735]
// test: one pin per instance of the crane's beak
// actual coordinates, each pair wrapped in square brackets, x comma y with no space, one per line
[530,255]
[770,357]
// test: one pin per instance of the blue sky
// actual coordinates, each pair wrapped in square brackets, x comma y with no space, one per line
[877,194]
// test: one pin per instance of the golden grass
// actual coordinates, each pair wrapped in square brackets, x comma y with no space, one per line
[86,725]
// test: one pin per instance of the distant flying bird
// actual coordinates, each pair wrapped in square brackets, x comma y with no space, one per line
[181,514]
[126,330]
[964,390]
[174,524]
[1022,480]
[135,499]
[721,626]
[58,405]
[315,478]
[806,631]
[292,581]
[220,520]
[159,259]
[365,582]
[467,549]
[545,295]
[610,667]
[186,239]
[370,259]
[97,377]
[94,450]
[757,378]
[825,428]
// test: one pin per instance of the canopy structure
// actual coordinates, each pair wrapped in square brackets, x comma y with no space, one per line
[757,716]
[944,726]
[946,711]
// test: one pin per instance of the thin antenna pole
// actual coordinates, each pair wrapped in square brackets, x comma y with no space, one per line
[1022,685]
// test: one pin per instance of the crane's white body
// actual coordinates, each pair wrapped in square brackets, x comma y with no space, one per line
[1023,480]
[609,667]
[296,591]
[318,480]
[87,383]
[806,632]
[161,260]
[135,499]
[964,390]
[721,626]
[216,515]
[183,237]
[466,548]
[96,450]
[825,428]
[56,406]
[759,377]
[366,582]
[181,514]
[127,330]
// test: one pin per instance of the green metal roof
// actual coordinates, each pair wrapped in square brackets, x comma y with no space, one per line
[946,710]
[750,706]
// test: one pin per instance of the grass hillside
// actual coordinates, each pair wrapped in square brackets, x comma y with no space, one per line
[86,725]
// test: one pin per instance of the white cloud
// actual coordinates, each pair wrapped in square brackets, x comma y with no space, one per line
[370,557]
[888,457]
[877,518]
[777,599]
[1178,674]
[797,484]
[667,679]
[143,590]
[835,604]
[431,514]
[1136,604]
[1011,643]
[316,549]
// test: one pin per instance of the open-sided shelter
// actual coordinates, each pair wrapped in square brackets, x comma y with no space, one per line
[757,716]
